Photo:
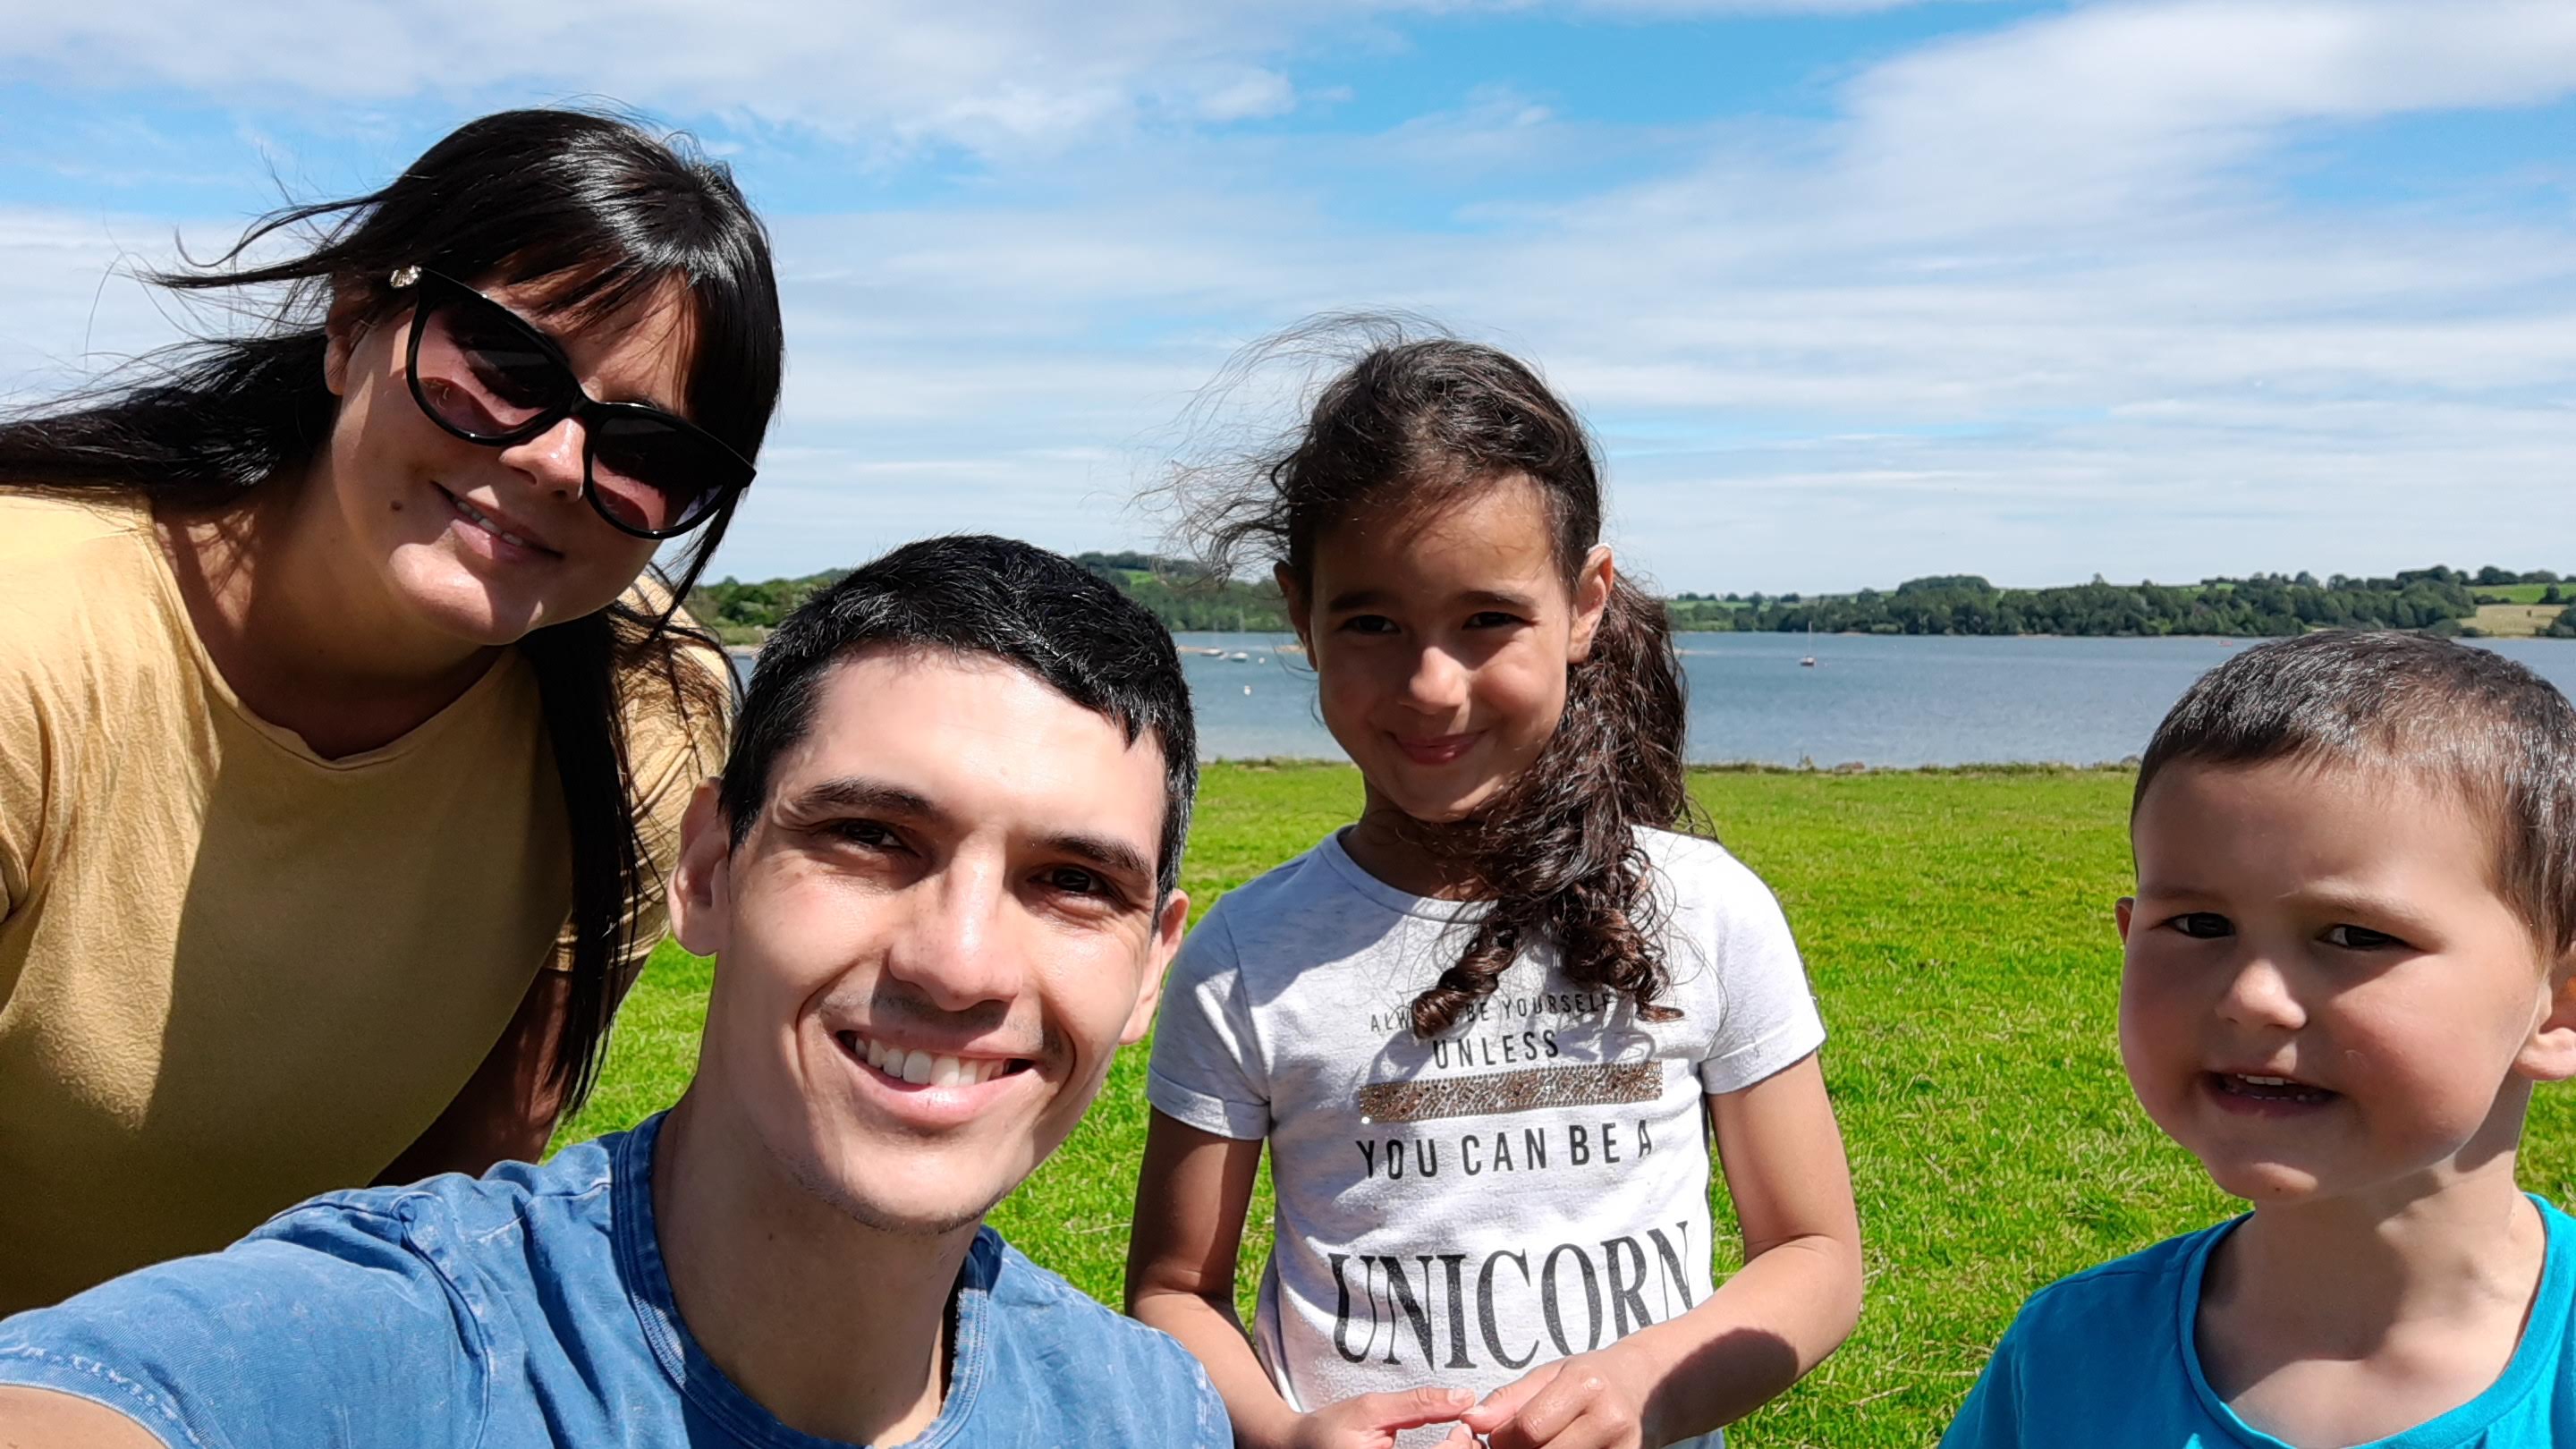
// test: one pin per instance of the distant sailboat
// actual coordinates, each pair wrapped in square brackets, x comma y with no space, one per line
[1810,661]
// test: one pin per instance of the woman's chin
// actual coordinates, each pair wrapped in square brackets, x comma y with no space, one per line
[449,598]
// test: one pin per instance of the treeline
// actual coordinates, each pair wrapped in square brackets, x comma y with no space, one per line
[2441,600]
[1179,593]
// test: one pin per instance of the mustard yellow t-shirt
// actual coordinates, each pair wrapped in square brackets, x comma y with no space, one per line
[234,973]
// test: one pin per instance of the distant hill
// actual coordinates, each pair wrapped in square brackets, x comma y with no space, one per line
[2438,600]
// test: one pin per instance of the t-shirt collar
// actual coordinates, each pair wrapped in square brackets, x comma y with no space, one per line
[1337,857]
[2535,1356]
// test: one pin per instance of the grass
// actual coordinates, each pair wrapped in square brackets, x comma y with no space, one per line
[2516,593]
[2514,621]
[1958,929]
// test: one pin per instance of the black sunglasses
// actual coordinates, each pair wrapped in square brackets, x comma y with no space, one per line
[489,376]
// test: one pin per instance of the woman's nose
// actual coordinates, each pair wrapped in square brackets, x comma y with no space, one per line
[552,459]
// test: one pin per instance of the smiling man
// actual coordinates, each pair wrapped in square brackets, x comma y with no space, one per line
[939,879]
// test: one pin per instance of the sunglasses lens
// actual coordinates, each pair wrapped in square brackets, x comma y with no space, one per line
[652,477]
[479,372]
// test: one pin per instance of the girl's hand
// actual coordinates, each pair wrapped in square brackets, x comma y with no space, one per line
[1589,1401]
[1371,1421]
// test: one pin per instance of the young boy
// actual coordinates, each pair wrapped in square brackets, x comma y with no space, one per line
[2348,960]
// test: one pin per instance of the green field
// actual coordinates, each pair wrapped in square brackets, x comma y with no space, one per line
[2514,621]
[2515,593]
[1958,928]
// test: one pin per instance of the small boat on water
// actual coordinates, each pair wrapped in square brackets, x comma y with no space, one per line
[1807,663]
[1240,657]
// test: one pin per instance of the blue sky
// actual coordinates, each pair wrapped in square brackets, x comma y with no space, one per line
[1852,291]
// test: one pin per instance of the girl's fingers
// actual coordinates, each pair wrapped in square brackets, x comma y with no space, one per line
[1504,1403]
[1410,1408]
[1574,1410]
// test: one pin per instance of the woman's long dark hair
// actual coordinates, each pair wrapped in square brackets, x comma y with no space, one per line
[1411,425]
[597,214]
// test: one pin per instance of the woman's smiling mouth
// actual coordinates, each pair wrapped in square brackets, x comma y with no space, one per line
[493,526]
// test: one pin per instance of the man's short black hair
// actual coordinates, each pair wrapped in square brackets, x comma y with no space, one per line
[2496,735]
[974,594]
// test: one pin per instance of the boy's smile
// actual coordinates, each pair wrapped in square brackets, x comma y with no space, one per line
[2324,995]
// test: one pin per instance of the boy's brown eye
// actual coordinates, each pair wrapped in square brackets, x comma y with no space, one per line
[2204,925]
[2360,938]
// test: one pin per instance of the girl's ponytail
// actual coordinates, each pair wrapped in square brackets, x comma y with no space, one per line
[1557,850]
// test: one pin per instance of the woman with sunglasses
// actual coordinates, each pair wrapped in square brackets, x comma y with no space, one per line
[343,732]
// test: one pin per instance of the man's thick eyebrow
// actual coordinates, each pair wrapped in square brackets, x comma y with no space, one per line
[1113,855]
[857,792]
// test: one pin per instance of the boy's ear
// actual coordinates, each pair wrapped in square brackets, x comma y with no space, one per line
[1169,924]
[2126,908]
[2550,1054]
[1293,594]
[1591,600]
[701,891]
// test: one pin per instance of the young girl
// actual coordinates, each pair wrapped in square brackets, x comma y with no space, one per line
[1477,1028]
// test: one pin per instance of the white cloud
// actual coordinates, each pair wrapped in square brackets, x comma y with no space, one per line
[2028,306]
[2122,107]
[1007,76]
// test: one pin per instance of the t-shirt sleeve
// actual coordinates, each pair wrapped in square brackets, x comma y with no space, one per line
[1766,1016]
[1206,1071]
[325,1327]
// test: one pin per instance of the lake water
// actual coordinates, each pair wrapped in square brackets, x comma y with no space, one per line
[1870,699]
[1874,699]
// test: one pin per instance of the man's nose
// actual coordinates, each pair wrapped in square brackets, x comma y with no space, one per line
[956,946]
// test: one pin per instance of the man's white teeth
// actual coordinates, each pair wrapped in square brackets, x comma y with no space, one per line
[922,1069]
[479,516]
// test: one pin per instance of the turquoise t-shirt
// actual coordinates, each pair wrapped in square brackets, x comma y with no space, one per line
[2107,1358]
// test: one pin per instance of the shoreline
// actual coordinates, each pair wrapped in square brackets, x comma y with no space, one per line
[1755,767]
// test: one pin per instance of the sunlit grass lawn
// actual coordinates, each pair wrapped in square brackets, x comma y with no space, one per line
[1958,929]
[2515,621]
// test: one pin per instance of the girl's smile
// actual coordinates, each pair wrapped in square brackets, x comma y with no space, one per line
[1436,750]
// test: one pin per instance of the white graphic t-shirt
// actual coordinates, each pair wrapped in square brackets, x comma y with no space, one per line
[1531,1185]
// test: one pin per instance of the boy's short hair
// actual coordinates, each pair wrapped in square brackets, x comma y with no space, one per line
[974,594]
[2498,736]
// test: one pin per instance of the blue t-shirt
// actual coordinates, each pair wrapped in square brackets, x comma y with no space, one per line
[530,1307]
[2108,1357]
